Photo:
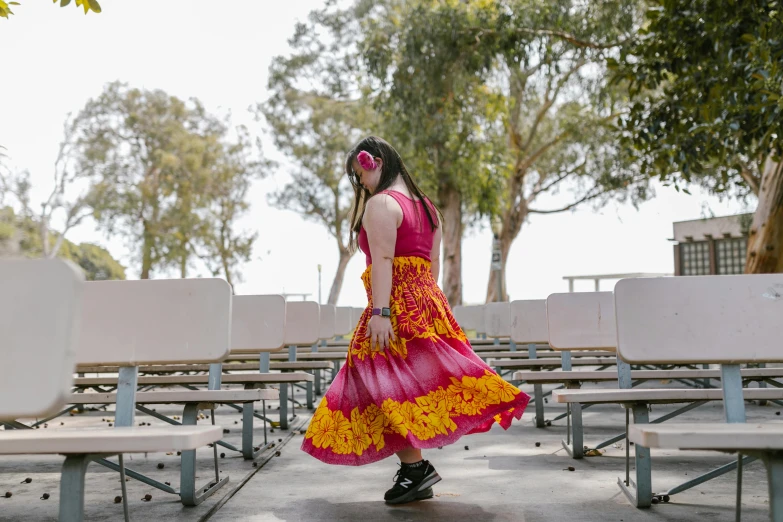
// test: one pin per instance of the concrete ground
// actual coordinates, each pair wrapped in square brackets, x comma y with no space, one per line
[495,476]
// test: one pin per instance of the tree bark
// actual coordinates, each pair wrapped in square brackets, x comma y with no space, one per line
[183,260]
[765,241]
[492,287]
[227,270]
[511,222]
[337,283]
[146,251]
[451,207]
[45,236]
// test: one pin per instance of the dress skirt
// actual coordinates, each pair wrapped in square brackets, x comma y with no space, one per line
[426,390]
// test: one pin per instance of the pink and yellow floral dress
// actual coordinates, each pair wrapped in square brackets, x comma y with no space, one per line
[429,388]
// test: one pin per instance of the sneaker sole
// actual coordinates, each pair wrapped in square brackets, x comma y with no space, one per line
[426,484]
[425,494]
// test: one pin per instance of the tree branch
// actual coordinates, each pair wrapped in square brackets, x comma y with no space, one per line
[59,174]
[587,197]
[753,181]
[540,152]
[568,37]
[519,83]
[572,39]
[540,188]
[549,101]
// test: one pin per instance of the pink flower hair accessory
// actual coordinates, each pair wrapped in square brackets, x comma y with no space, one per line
[366,160]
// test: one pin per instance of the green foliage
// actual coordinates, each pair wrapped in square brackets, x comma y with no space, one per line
[169,177]
[20,236]
[223,249]
[500,94]
[432,96]
[87,5]
[5,8]
[706,76]
[7,224]
[492,103]
[96,261]
[560,110]
[319,108]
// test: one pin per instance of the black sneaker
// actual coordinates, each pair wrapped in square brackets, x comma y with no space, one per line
[424,494]
[412,483]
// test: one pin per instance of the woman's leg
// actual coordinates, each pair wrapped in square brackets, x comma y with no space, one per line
[410,455]
[414,480]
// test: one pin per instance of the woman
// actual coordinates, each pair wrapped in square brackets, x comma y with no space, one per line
[411,380]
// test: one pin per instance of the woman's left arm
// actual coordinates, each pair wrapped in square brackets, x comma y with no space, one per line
[381,218]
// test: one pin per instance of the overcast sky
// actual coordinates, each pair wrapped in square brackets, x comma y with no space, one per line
[55,59]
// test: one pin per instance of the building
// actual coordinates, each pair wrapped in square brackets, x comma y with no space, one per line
[711,246]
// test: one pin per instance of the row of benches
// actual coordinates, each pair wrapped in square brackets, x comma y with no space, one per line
[54,324]
[684,325]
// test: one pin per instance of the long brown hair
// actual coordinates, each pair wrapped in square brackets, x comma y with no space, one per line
[392,167]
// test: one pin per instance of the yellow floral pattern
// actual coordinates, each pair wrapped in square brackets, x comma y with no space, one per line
[429,416]
[419,310]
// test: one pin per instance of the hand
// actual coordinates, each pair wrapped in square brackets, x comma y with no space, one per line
[380,333]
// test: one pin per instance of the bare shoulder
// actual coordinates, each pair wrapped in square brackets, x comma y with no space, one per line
[383,204]
[383,207]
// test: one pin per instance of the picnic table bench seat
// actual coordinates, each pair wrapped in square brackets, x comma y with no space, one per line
[231,367]
[727,437]
[562,376]
[657,395]
[68,441]
[178,397]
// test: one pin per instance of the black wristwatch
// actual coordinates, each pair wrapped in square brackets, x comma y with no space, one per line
[383,312]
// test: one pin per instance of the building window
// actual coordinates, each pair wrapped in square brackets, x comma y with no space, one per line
[695,258]
[731,255]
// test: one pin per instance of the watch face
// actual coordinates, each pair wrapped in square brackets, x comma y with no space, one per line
[385,312]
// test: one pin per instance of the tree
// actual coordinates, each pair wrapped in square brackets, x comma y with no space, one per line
[224,248]
[500,93]
[559,111]
[160,167]
[706,80]
[20,236]
[97,263]
[87,5]
[438,111]
[61,200]
[317,111]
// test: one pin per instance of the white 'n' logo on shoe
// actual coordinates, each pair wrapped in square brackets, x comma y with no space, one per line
[405,483]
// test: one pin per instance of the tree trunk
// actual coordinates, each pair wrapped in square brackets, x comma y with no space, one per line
[337,283]
[765,242]
[57,245]
[492,286]
[451,207]
[227,270]
[510,227]
[146,251]
[45,236]
[183,259]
